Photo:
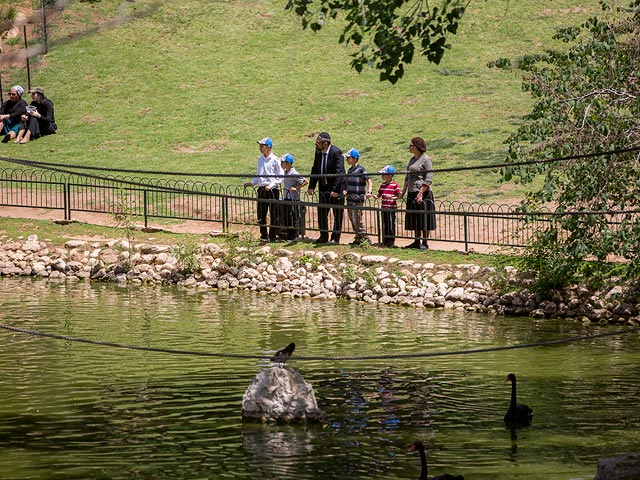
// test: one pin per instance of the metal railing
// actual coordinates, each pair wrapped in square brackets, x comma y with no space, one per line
[235,206]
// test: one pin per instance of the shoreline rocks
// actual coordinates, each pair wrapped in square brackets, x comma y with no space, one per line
[319,275]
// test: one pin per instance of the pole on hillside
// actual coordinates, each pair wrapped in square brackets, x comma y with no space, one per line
[44,27]
[1,95]
[26,51]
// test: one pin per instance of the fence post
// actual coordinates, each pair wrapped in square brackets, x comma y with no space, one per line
[65,204]
[466,231]
[379,226]
[26,51]
[44,27]
[225,213]
[144,207]
[67,200]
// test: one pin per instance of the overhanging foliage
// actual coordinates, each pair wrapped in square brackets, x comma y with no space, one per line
[389,32]
[587,100]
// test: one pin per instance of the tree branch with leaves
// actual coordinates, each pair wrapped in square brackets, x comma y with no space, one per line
[388,32]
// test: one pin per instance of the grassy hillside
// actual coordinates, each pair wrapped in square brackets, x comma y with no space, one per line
[189,86]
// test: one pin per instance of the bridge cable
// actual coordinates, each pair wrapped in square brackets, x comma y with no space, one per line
[52,165]
[324,357]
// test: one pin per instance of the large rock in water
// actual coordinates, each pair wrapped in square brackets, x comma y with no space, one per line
[625,467]
[280,394]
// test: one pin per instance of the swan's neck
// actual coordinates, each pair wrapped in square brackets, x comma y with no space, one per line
[513,394]
[423,461]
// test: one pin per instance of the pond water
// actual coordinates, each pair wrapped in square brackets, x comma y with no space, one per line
[76,411]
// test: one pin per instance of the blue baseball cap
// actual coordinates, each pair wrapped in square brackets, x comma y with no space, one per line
[266,141]
[353,153]
[287,157]
[389,170]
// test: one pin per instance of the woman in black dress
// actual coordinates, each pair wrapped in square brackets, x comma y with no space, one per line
[420,216]
[39,119]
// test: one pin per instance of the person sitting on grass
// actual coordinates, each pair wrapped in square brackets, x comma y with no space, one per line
[39,119]
[11,113]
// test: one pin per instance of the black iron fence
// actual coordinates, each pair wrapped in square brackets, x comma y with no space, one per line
[233,208]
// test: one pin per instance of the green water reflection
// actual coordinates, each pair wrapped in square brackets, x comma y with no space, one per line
[73,410]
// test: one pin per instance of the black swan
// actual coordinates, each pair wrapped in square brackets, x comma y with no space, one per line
[283,355]
[423,460]
[521,414]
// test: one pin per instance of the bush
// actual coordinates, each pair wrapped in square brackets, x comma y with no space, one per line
[187,256]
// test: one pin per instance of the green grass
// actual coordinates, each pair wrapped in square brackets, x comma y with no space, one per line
[58,234]
[190,86]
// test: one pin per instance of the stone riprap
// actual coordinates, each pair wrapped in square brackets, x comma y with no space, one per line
[320,275]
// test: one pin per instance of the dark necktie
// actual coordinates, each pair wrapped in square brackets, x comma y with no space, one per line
[324,168]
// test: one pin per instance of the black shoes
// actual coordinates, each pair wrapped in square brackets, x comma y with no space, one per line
[418,245]
[6,138]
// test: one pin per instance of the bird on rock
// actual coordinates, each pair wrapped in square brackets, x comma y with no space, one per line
[281,356]
[423,460]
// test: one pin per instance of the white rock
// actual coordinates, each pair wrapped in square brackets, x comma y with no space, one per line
[283,263]
[329,257]
[38,268]
[280,394]
[351,257]
[153,249]
[456,294]
[373,259]
[59,265]
[31,246]
[74,266]
[211,248]
[75,243]
[249,273]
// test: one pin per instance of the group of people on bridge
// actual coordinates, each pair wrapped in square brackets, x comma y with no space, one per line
[335,185]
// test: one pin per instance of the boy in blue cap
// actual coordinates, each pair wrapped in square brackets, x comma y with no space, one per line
[358,187]
[291,210]
[389,191]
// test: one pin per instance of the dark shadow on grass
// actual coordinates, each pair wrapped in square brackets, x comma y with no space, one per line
[454,72]
[432,144]
[486,156]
